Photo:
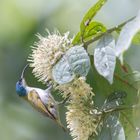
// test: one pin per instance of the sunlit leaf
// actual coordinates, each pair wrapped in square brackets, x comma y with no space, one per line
[75,62]
[62,72]
[78,60]
[90,14]
[136,39]
[77,39]
[126,36]
[104,57]
[94,28]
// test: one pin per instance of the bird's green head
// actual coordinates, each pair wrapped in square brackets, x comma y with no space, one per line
[21,85]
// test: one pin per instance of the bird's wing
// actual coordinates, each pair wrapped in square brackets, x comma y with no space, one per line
[49,95]
[36,102]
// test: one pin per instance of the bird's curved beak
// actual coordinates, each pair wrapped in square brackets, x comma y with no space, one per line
[23,71]
[22,80]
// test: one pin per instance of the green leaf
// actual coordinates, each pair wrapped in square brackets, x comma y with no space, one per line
[123,83]
[62,72]
[75,62]
[89,29]
[137,116]
[136,39]
[105,58]
[77,39]
[127,120]
[112,129]
[126,35]
[134,77]
[78,60]
[92,30]
[114,101]
[116,96]
[90,14]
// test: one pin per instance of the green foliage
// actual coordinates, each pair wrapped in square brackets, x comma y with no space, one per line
[62,72]
[127,121]
[123,84]
[112,129]
[105,58]
[89,15]
[126,36]
[136,39]
[89,29]
[94,28]
[75,62]
[126,83]
[114,101]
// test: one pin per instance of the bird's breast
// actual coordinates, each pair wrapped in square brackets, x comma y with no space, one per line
[44,96]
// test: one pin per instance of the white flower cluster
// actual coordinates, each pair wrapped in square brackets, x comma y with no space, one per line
[46,53]
[80,118]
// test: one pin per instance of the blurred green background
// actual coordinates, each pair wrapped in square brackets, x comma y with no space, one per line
[20,20]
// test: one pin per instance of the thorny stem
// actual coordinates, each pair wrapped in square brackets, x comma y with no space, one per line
[108,31]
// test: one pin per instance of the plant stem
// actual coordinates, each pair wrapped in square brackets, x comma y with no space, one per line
[108,31]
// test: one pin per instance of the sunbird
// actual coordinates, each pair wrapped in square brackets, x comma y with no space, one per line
[40,99]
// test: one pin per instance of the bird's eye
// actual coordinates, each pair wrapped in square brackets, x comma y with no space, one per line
[20,80]
[20,84]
